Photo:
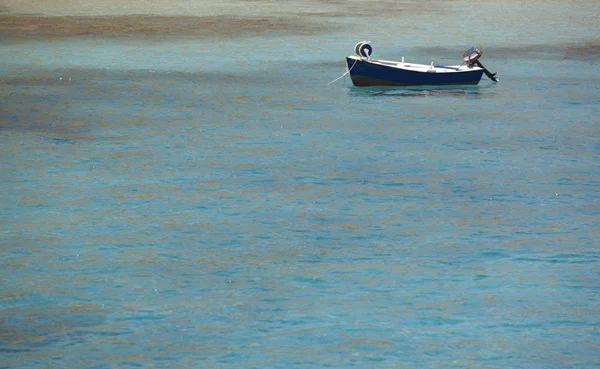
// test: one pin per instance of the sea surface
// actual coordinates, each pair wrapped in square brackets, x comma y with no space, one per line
[213,201]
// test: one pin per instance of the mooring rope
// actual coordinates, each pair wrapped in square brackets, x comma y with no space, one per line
[345,74]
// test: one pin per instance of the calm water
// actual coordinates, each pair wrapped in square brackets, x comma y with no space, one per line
[213,203]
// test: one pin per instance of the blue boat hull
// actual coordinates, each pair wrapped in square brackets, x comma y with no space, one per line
[364,73]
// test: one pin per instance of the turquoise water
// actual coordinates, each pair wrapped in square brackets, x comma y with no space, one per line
[214,203]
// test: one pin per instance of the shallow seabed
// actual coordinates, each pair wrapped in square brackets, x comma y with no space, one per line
[202,198]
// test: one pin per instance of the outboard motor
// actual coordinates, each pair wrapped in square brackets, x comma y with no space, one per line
[363,49]
[471,57]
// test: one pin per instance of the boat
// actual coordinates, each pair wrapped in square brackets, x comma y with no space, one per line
[366,71]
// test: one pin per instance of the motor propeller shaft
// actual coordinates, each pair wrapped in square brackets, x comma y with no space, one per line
[490,75]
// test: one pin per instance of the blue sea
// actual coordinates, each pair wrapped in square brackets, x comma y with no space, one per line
[213,202]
